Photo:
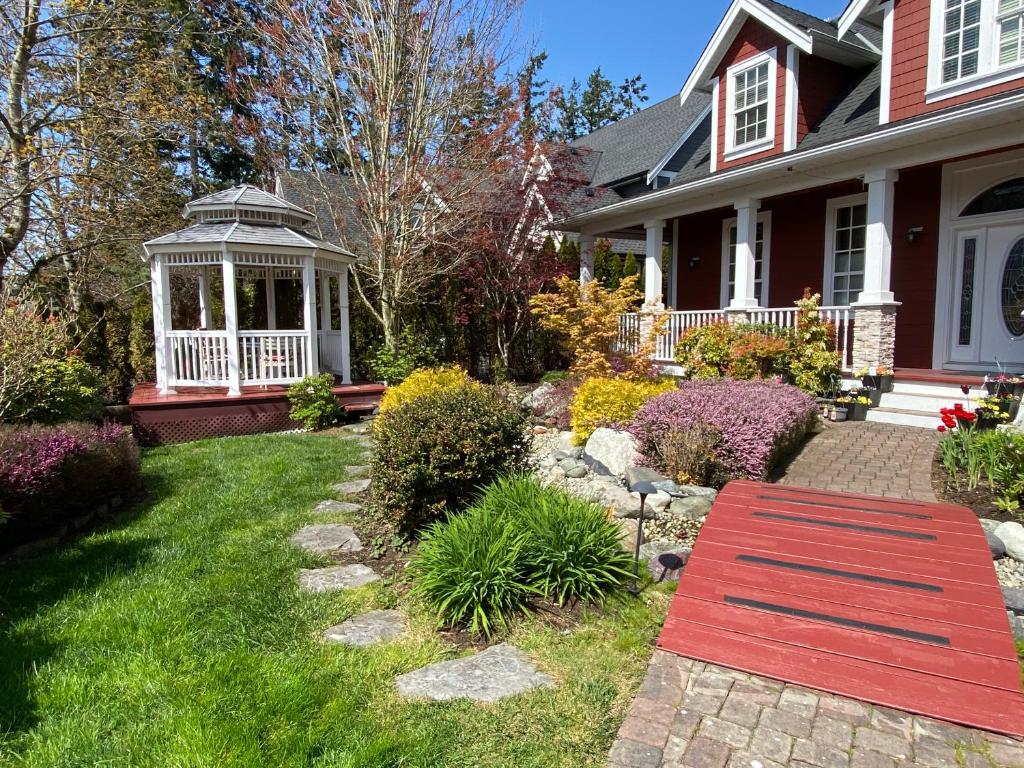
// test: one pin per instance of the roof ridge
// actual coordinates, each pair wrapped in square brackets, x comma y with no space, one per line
[798,10]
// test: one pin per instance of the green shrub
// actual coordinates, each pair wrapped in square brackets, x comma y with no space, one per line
[425,381]
[434,453]
[689,454]
[312,401]
[141,342]
[518,541]
[552,377]
[61,389]
[394,367]
[704,352]
[813,361]
[601,402]
[470,570]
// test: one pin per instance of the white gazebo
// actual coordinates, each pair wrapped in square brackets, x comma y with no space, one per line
[248,239]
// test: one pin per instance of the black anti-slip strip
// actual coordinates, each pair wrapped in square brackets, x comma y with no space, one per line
[836,505]
[884,629]
[848,496]
[836,572]
[847,526]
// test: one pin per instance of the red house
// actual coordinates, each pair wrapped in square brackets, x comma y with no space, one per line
[877,158]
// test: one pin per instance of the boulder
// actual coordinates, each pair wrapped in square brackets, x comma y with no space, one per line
[995,545]
[1012,536]
[626,505]
[653,548]
[536,397]
[610,452]
[989,524]
[697,490]
[577,472]
[1014,599]
[690,507]
[668,566]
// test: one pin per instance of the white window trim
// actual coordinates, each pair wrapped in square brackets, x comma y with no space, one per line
[989,72]
[885,93]
[792,97]
[731,150]
[833,205]
[715,93]
[764,218]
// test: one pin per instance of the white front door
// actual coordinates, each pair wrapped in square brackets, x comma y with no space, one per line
[988,327]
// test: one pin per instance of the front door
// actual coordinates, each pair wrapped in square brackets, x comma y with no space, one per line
[989,318]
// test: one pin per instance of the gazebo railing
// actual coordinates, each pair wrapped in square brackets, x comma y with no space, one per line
[272,357]
[199,358]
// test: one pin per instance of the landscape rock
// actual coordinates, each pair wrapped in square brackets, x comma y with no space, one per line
[989,524]
[697,490]
[576,452]
[329,506]
[690,507]
[577,472]
[536,397]
[357,470]
[323,539]
[626,505]
[566,441]
[1012,536]
[610,452]
[367,629]
[1016,626]
[1014,599]
[668,566]
[352,487]
[995,545]
[336,577]
[652,548]
[500,671]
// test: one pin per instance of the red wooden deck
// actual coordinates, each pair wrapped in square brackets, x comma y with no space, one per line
[892,602]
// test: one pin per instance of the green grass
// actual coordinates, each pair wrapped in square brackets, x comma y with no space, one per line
[180,638]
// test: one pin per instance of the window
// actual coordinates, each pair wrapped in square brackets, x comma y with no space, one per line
[974,44]
[844,268]
[750,104]
[961,39]
[970,252]
[762,253]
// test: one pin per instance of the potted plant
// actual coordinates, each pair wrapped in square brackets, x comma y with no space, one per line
[879,378]
[857,402]
[1001,384]
[996,409]
[839,411]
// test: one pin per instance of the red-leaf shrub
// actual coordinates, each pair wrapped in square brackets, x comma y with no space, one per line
[52,475]
[759,422]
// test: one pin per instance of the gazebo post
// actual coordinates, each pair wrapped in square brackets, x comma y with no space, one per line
[346,369]
[160,282]
[309,315]
[271,300]
[325,311]
[205,309]
[231,322]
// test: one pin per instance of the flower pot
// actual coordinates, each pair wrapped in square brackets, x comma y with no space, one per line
[997,387]
[882,383]
[856,412]
[876,397]
[838,414]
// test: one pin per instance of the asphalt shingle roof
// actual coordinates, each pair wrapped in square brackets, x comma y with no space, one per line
[246,234]
[242,196]
[332,197]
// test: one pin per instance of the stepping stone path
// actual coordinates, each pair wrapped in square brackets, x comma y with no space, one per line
[325,507]
[500,671]
[368,629]
[357,470]
[323,539]
[352,487]
[336,577]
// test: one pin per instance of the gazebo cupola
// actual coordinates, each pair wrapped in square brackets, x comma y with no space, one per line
[258,299]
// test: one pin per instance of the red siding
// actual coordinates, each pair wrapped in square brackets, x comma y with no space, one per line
[700,286]
[910,65]
[819,84]
[753,39]
[915,265]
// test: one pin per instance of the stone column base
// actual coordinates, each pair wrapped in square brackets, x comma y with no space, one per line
[874,335]
[736,316]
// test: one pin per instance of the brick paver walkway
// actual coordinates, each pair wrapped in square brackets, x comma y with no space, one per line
[688,714]
[865,457]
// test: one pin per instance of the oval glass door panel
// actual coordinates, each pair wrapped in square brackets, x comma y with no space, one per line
[1013,289]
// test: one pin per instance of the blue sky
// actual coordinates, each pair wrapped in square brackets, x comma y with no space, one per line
[582,34]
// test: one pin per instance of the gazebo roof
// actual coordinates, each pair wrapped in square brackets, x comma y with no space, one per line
[245,197]
[237,233]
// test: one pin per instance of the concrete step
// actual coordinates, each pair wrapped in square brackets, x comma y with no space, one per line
[912,401]
[903,417]
[931,389]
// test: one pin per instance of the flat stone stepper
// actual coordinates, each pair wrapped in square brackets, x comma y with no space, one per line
[367,629]
[352,487]
[323,539]
[500,671]
[336,577]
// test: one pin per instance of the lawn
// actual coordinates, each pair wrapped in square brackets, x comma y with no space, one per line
[179,637]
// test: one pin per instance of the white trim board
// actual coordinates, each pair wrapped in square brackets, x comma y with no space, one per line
[730,150]
[764,218]
[690,129]
[828,276]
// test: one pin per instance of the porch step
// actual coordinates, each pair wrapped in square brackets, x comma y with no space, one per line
[904,417]
[929,402]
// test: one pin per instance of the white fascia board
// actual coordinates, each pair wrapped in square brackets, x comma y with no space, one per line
[746,174]
[693,126]
[853,11]
[727,30]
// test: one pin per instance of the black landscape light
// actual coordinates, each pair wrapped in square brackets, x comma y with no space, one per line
[644,481]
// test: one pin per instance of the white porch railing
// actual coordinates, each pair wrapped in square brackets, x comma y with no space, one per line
[679,323]
[198,358]
[272,357]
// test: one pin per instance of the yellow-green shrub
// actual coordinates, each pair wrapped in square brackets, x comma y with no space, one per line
[425,381]
[601,402]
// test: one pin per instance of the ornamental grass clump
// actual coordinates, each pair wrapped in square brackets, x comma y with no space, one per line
[433,454]
[759,422]
[520,542]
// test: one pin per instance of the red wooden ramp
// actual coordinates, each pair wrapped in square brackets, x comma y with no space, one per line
[892,602]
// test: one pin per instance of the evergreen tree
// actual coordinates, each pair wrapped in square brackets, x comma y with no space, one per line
[629,266]
[613,269]
[569,252]
[533,90]
[569,124]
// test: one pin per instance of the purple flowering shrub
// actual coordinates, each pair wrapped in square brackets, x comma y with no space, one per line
[52,474]
[759,422]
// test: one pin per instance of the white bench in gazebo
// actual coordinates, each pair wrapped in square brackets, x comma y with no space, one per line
[249,235]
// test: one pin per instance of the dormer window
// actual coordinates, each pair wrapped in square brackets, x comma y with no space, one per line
[974,44]
[750,105]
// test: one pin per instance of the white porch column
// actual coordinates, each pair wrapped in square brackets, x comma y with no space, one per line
[881,183]
[325,315]
[587,243]
[160,285]
[271,300]
[653,293]
[346,355]
[673,267]
[744,296]
[205,308]
[231,322]
[309,315]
